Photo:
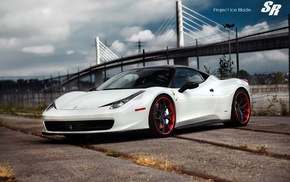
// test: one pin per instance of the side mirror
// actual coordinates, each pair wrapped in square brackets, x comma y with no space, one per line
[188,85]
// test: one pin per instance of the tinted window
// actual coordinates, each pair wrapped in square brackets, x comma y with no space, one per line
[139,78]
[184,75]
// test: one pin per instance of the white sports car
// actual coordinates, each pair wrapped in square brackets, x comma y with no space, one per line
[159,98]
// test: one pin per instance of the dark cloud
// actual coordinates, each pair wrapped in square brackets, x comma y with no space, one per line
[47,36]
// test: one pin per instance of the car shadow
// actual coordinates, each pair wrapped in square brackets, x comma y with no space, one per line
[105,138]
[129,136]
[197,129]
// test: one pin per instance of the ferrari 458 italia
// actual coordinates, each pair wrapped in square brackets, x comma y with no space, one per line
[160,98]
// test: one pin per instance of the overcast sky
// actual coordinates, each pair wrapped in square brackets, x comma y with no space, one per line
[38,37]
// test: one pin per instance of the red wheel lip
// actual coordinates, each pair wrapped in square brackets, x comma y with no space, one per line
[171,126]
[248,108]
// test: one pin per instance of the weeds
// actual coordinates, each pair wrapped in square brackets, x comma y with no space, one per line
[244,146]
[29,112]
[2,124]
[6,173]
[276,106]
[113,154]
[262,149]
[151,161]
[283,107]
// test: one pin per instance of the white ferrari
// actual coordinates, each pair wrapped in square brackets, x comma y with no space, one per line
[159,98]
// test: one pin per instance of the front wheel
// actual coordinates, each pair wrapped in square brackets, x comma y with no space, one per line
[241,108]
[162,116]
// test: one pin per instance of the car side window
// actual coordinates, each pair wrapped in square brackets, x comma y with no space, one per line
[184,75]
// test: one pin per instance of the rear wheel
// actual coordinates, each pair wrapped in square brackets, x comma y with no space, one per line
[162,117]
[241,109]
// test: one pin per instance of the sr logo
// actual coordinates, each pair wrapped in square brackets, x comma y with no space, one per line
[271,8]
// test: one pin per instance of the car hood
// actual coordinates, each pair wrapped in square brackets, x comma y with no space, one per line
[90,100]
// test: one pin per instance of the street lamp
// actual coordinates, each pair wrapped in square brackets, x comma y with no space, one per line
[228,27]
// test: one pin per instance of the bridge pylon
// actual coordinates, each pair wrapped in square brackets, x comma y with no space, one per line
[103,55]
[179,32]
[179,24]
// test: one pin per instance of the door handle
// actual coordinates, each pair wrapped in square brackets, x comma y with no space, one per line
[211,90]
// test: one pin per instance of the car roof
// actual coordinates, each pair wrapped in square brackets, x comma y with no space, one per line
[163,66]
[169,67]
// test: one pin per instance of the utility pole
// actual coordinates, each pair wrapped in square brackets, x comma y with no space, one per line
[139,45]
[228,27]
[197,56]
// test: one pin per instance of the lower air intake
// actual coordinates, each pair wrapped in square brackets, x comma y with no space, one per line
[78,125]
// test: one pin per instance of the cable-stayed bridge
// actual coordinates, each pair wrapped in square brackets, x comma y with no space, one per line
[188,30]
[103,53]
[189,34]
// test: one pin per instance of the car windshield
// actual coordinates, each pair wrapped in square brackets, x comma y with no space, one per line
[139,78]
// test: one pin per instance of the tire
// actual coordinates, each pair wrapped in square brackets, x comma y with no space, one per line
[241,109]
[162,116]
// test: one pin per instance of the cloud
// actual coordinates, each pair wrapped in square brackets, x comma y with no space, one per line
[144,35]
[129,31]
[162,41]
[33,22]
[249,29]
[8,43]
[70,52]
[45,49]
[264,61]
[118,46]
[55,29]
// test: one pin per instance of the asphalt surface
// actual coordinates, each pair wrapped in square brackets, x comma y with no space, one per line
[258,152]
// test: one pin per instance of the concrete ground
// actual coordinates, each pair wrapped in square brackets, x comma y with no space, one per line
[258,152]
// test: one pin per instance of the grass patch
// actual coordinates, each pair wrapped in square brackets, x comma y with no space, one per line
[29,112]
[260,149]
[263,149]
[6,173]
[113,154]
[244,146]
[2,124]
[152,162]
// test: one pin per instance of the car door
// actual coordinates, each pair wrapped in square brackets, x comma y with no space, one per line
[193,105]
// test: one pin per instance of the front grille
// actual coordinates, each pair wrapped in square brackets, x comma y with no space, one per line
[78,125]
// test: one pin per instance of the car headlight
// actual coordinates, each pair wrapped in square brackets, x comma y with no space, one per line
[121,102]
[52,105]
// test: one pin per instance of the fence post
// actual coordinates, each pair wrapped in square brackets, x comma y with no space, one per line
[27,99]
[2,93]
[59,85]
[167,55]
[122,69]
[289,63]
[37,88]
[237,54]
[143,58]
[44,93]
[91,78]
[197,56]
[67,80]
[78,78]
[51,87]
